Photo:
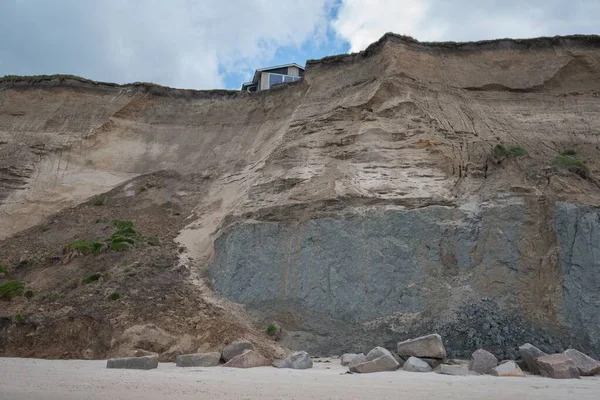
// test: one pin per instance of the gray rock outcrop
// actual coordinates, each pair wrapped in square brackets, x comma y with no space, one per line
[146,362]
[586,365]
[198,360]
[430,346]
[483,362]
[381,364]
[414,364]
[236,348]
[529,353]
[248,359]
[296,360]
[557,366]
[509,368]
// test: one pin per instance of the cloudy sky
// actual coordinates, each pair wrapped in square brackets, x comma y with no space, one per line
[205,44]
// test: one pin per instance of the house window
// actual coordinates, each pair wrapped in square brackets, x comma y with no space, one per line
[275,79]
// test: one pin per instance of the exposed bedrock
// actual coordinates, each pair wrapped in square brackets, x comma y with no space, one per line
[491,274]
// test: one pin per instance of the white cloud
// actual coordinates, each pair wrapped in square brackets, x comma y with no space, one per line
[181,43]
[362,22]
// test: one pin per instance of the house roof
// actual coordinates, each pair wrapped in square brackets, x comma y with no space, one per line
[258,71]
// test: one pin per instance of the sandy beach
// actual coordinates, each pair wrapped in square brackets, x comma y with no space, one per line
[75,379]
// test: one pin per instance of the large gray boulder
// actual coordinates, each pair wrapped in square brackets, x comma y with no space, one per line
[296,360]
[383,363]
[378,352]
[347,357]
[509,368]
[586,365]
[147,362]
[359,359]
[414,364]
[430,346]
[529,353]
[248,359]
[198,360]
[483,362]
[235,349]
[557,366]
[456,370]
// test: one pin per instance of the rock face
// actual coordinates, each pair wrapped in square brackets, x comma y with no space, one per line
[146,362]
[483,362]
[414,364]
[509,368]
[248,359]
[430,346]
[235,349]
[380,364]
[529,353]
[382,193]
[586,365]
[297,360]
[198,360]
[557,366]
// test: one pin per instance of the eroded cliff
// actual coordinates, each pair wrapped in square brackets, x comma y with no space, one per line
[367,203]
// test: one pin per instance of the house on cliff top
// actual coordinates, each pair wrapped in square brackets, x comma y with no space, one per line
[265,78]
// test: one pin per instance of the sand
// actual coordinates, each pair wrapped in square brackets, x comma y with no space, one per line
[69,379]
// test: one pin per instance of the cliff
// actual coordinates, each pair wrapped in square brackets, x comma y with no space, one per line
[408,188]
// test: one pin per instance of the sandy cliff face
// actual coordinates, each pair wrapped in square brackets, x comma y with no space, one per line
[360,206]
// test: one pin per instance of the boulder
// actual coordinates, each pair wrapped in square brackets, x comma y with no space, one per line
[557,366]
[529,354]
[429,346]
[359,359]
[248,359]
[347,357]
[414,364]
[198,360]
[147,362]
[509,368]
[456,370]
[383,363]
[382,351]
[142,353]
[235,349]
[483,362]
[433,362]
[586,365]
[297,360]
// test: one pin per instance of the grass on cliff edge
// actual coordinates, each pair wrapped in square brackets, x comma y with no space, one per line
[577,166]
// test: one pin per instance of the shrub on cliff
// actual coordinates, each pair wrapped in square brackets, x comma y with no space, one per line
[10,290]
[577,166]
[501,151]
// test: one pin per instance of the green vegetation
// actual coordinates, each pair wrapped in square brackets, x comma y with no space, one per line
[123,224]
[3,269]
[86,247]
[514,151]
[98,202]
[119,246]
[114,296]
[569,152]
[91,278]
[152,241]
[28,294]
[18,319]
[272,330]
[577,166]
[10,290]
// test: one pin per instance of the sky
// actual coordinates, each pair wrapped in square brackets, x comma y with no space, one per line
[207,44]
